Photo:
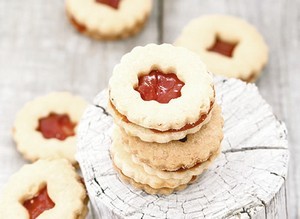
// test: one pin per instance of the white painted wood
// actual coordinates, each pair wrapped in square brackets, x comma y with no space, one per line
[278,21]
[248,179]
[40,52]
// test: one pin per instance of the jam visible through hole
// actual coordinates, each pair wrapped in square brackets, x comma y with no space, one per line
[112,3]
[57,126]
[159,86]
[39,203]
[222,47]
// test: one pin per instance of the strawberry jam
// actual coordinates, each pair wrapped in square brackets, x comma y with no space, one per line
[56,126]
[222,47]
[112,3]
[38,204]
[159,86]
[80,27]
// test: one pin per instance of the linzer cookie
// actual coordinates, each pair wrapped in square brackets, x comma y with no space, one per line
[186,153]
[45,189]
[108,19]
[169,128]
[161,93]
[46,127]
[147,188]
[158,177]
[228,45]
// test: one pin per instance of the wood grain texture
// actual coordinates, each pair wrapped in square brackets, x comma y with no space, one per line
[247,179]
[40,52]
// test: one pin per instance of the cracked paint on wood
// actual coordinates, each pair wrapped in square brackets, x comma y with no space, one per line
[246,181]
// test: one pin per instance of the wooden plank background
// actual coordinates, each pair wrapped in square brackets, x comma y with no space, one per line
[40,52]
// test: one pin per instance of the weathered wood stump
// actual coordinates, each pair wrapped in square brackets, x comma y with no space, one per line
[247,180]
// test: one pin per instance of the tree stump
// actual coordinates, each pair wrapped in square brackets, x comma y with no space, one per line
[247,180]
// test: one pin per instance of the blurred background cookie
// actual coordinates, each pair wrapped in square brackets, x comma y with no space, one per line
[228,45]
[46,127]
[44,189]
[108,19]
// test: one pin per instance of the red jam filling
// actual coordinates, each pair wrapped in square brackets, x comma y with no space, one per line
[222,47]
[56,126]
[80,27]
[189,125]
[38,204]
[112,3]
[186,127]
[159,86]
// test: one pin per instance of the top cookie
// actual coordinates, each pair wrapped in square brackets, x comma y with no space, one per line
[108,19]
[229,46]
[176,73]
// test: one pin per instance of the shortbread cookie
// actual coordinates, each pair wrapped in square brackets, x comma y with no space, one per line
[182,173]
[152,135]
[228,45]
[161,88]
[150,190]
[136,172]
[121,155]
[186,153]
[46,127]
[108,19]
[144,174]
[45,189]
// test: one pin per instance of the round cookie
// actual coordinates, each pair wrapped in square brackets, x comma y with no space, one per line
[181,173]
[167,72]
[186,153]
[150,135]
[44,189]
[122,160]
[46,127]
[146,177]
[108,19]
[228,45]
[148,189]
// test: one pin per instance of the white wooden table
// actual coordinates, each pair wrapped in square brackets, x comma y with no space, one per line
[40,52]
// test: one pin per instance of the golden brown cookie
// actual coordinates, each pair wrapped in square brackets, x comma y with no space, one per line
[228,45]
[46,127]
[44,189]
[186,153]
[163,97]
[152,135]
[156,179]
[108,19]
[148,189]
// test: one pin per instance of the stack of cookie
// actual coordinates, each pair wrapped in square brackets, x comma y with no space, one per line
[168,126]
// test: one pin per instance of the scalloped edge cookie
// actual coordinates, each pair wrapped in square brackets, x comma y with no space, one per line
[123,161]
[250,54]
[150,135]
[197,148]
[196,95]
[31,143]
[196,170]
[103,22]
[63,185]
[154,178]
[148,189]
